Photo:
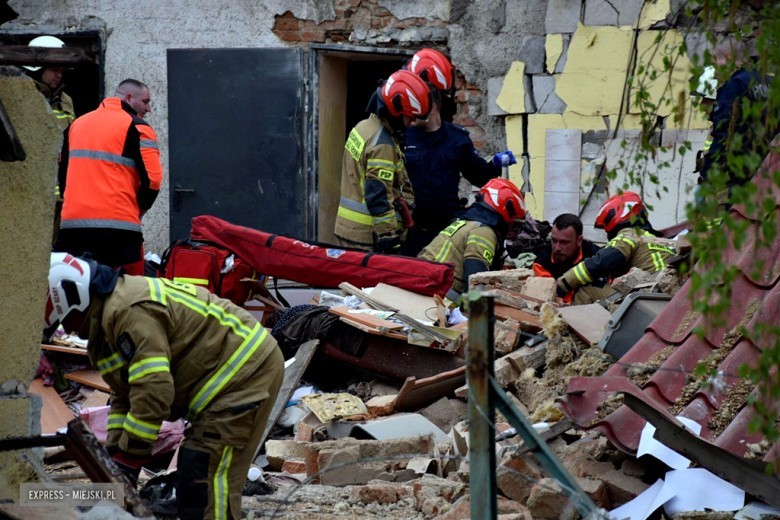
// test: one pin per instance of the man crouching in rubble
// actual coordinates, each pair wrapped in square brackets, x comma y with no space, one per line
[170,350]
[624,217]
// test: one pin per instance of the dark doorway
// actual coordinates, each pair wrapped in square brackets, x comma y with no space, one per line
[344,78]
[84,82]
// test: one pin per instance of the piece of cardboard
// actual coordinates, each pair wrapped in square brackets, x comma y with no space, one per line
[55,414]
[371,330]
[412,304]
[95,399]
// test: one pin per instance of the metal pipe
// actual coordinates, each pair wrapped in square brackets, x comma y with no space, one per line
[482,430]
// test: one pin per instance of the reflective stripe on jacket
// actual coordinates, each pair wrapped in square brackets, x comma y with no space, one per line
[373,177]
[170,350]
[61,104]
[460,241]
[632,247]
[110,170]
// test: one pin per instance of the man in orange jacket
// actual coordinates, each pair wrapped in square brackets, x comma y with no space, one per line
[565,249]
[110,174]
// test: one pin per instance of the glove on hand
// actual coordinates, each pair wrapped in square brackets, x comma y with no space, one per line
[562,288]
[130,464]
[387,244]
[506,158]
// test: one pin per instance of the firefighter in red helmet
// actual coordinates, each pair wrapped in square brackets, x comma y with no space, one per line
[632,243]
[473,243]
[376,194]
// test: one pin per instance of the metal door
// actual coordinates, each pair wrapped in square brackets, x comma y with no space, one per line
[236,139]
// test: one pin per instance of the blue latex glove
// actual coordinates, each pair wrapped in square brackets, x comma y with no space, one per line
[506,158]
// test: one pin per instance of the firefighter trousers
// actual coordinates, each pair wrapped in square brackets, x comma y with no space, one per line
[219,447]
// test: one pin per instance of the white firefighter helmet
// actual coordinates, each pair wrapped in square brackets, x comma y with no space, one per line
[52,42]
[708,85]
[68,287]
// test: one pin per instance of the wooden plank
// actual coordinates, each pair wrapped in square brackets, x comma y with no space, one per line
[365,319]
[587,321]
[55,414]
[67,350]
[529,321]
[292,376]
[90,378]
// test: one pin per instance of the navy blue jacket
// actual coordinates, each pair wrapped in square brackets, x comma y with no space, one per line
[727,120]
[435,161]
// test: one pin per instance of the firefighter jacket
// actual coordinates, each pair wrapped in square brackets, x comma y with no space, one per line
[170,350]
[435,160]
[110,171]
[470,244]
[373,178]
[61,104]
[631,247]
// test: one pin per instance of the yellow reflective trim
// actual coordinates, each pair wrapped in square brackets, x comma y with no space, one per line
[355,144]
[142,429]
[658,262]
[354,216]
[116,421]
[156,291]
[227,371]
[180,286]
[148,366]
[487,255]
[452,228]
[382,219]
[480,241]
[220,483]
[193,281]
[444,252]
[111,363]
[381,163]
[582,274]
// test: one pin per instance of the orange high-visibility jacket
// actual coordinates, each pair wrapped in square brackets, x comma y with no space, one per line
[110,171]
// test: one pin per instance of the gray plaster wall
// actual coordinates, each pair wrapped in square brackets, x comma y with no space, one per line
[484,38]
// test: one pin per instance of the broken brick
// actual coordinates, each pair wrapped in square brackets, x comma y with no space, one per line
[381,405]
[515,476]
[547,501]
[380,493]
[294,466]
[622,488]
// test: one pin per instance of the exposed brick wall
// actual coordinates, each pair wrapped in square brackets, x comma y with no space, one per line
[364,22]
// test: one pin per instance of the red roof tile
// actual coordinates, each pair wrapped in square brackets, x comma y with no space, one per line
[754,300]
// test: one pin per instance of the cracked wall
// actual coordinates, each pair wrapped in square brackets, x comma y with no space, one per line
[555,40]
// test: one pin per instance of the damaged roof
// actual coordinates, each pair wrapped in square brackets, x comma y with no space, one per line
[659,367]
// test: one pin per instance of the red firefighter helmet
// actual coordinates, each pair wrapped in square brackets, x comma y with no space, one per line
[433,67]
[405,93]
[505,198]
[69,279]
[619,209]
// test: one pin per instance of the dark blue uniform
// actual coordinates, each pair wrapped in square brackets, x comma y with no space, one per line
[435,161]
[728,120]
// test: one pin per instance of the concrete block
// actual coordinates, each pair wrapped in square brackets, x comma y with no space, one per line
[625,284]
[505,334]
[512,279]
[562,176]
[547,501]
[376,492]
[621,487]
[443,414]
[293,466]
[533,53]
[556,203]
[592,150]
[433,495]
[563,145]
[562,16]
[612,12]
[278,451]
[494,86]
[515,476]
[381,405]
[539,288]
[546,100]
